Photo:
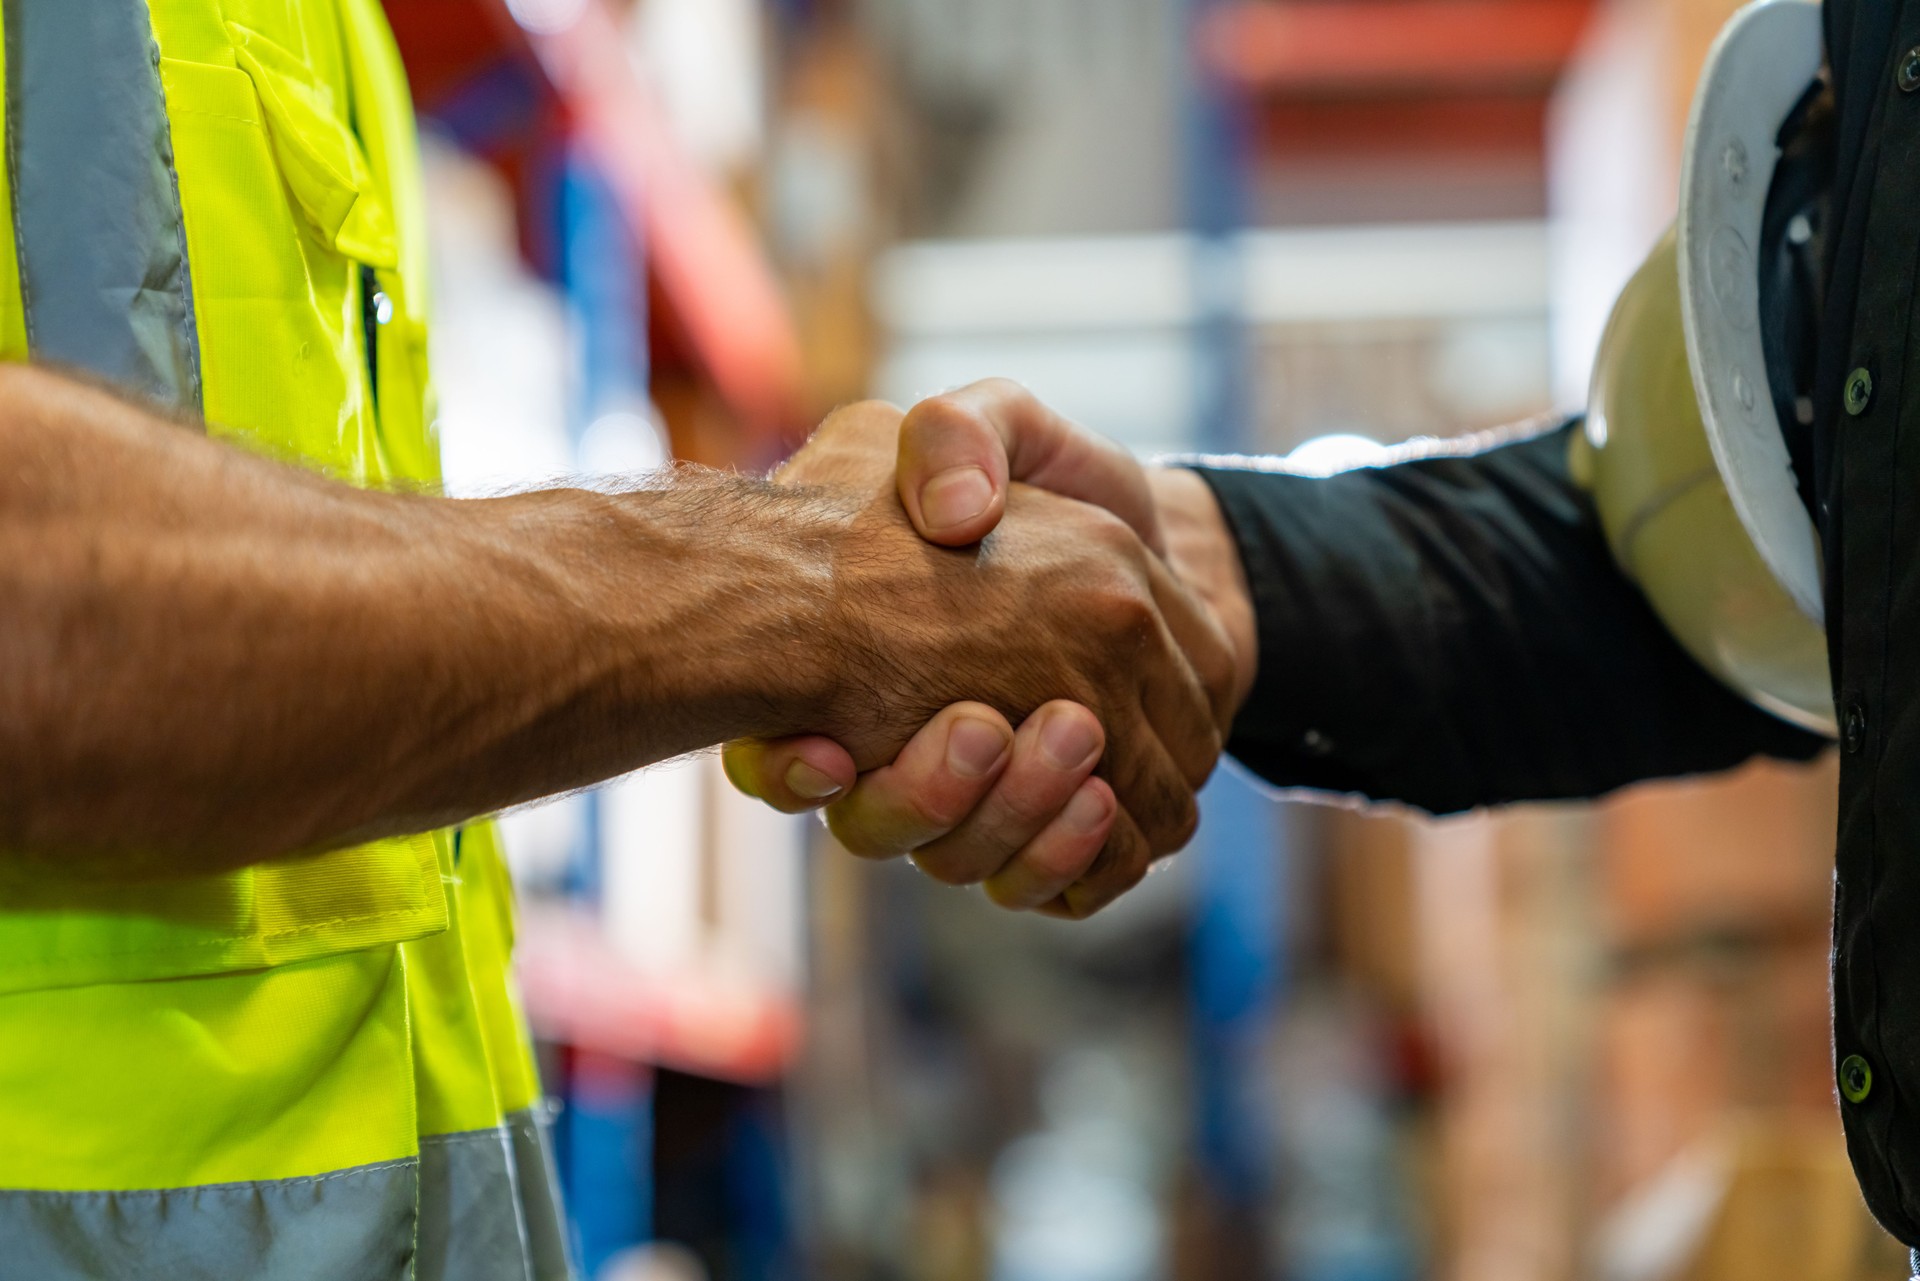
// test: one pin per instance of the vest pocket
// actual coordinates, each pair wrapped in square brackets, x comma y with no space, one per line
[280,369]
[284,213]
[322,162]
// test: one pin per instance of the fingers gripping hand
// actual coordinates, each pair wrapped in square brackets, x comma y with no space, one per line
[971,799]
[958,454]
[1054,752]
[945,770]
[1029,841]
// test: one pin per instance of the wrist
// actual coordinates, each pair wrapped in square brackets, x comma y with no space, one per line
[779,630]
[1202,553]
[694,612]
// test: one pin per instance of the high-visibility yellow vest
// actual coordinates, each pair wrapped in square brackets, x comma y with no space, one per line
[310,1068]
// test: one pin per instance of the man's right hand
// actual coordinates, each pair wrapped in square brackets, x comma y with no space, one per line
[1064,603]
[957,455]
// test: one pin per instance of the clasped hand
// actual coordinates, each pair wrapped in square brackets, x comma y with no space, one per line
[978,604]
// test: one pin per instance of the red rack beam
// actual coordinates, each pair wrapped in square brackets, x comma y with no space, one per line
[1396,48]
[580,990]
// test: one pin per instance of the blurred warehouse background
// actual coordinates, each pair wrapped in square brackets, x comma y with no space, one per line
[1568,1042]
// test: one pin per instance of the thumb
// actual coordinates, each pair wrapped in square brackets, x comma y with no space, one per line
[960,450]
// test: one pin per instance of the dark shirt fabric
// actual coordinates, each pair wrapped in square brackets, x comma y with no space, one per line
[1451,632]
[1865,475]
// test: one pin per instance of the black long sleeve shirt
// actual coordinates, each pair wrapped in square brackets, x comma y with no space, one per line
[1452,631]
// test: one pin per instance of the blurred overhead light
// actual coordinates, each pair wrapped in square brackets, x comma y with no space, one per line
[546,17]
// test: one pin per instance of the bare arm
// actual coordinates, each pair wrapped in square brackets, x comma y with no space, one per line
[218,657]
[208,658]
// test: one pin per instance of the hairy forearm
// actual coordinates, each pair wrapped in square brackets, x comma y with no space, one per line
[207,658]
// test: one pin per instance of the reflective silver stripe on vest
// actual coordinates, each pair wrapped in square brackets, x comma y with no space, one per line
[96,203]
[489,1207]
[471,1226]
[350,1223]
[540,1195]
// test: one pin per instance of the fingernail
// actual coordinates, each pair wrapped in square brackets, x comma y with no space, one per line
[1067,741]
[974,747]
[808,783]
[954,497]
[1087,810]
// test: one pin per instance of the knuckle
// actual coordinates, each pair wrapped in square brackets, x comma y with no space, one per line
[1136,612]
[1215,667]
[1188,825]
[1166,812]
[1122,607]
[1102,886]
[1123,871]
[938,417]
[1202,769]
[1175,827]
[1109,533]
[966,856]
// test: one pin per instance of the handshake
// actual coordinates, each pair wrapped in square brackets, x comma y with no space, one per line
[1042,645]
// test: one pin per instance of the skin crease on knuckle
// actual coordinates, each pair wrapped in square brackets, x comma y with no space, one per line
[1163,809]
[1171,826]
[1181,708]
[1120,866]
